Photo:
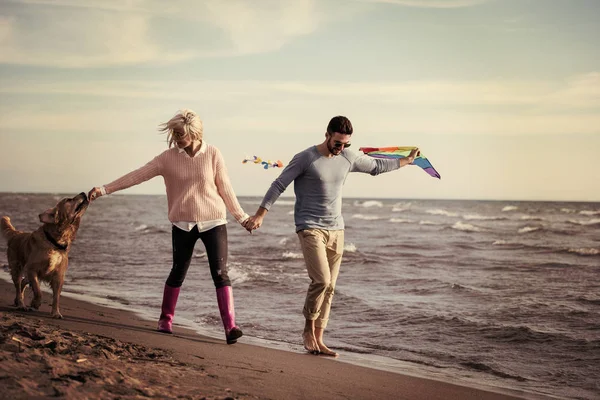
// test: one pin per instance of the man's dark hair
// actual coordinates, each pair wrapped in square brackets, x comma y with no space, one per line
[340,124]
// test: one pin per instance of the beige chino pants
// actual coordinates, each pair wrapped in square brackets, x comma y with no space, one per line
[322,250]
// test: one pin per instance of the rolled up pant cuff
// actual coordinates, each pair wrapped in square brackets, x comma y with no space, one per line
[310,316]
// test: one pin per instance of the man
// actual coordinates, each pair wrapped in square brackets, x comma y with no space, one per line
[319,173]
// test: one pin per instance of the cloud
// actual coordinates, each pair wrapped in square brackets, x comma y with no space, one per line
[502,107]
[432,3]
[70,34]
[78,38]
[577,92]
[261,26]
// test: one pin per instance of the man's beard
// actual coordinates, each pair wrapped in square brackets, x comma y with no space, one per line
[333,149]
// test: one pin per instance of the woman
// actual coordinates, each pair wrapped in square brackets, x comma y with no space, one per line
[198,194]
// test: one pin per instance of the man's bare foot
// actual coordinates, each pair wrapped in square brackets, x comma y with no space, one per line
[310,343]
[326,350]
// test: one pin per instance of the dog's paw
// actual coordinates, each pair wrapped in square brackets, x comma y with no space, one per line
[57,315]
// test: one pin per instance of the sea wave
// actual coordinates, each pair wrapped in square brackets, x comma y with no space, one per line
[502,243]
[400,220]
[245,272]
[528,229]
[461,226]
[399,207]
[589,212]
[440,211]
[509,208]
[587,300]
[145,229]
[478,217]
[593,221]
[369,217]
[584,251]
[291,255]
[482,367]
[568,210]
[531,218]
[350,247]
[368,203]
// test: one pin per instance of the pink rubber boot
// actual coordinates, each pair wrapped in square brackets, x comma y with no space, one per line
[225,301]
[165,321]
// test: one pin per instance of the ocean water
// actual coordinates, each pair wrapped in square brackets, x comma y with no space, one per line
[497,293]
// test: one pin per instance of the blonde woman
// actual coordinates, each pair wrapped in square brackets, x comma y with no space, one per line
[198,195]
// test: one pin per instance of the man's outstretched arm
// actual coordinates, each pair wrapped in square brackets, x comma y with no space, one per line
[376,166]
[296,167]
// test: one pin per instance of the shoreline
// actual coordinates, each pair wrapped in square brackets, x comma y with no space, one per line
[239,371]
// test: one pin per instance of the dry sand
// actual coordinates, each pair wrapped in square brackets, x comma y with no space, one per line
[103,353]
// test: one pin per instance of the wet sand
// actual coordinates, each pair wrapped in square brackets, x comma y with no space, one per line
[103,353]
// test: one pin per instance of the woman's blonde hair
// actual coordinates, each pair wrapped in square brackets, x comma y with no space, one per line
[185,122]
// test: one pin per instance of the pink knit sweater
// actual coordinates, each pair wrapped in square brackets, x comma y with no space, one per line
[198,188]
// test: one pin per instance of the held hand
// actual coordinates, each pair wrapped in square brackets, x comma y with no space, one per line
[245,225]
[253,223]
[94,194]
[413,154]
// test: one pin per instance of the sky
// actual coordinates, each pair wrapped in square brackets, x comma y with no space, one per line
[502,96]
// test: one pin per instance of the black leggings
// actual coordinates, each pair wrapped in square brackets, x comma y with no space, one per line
[215,242]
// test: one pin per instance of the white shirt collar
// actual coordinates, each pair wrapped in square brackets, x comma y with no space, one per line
[201,151]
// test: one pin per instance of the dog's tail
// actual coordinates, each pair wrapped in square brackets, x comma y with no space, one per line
[8,231]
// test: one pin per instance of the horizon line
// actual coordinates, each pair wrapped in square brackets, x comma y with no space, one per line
[345,197]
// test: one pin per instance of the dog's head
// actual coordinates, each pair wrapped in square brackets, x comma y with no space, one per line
[66,215]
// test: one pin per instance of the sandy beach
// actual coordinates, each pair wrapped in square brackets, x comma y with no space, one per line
[99,353]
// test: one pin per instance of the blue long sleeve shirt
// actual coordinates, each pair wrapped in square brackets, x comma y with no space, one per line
[318,182]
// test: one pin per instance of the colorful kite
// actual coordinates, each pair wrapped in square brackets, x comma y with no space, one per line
[266,164]
[401,152]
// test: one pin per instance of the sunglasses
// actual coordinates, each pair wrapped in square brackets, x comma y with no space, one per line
[338,145]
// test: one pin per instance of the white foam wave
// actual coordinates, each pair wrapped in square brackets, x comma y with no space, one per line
[585,251]
[284,241]
[237,276]
[141,227]
[510,208]
[499,243]
[350,247]
[588,212]
[424,222]
[402,206]
[368,203]
[291,255]
[592,221]
[366,217]
[439,211]
[399,220]
[239,272]
[528,229]
[465,227]
[291,212]
[568,210]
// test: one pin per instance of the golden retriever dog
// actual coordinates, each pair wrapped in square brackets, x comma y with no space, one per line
[43,255]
